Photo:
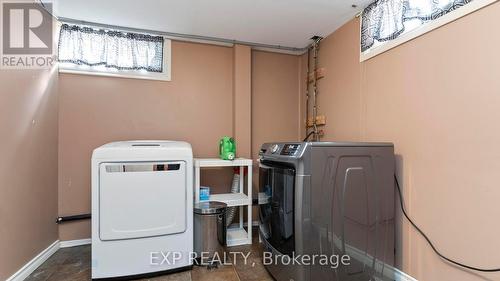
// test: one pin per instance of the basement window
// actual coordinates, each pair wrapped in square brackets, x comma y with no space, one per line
[87,50]
[386,24]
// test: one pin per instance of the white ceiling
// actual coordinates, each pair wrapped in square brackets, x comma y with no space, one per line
[287,23]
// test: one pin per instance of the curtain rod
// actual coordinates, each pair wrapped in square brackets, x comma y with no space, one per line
[189,37]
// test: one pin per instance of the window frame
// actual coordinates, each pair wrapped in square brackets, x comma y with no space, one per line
[165,75]
[423,29]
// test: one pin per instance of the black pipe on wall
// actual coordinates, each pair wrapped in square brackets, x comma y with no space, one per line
[64,219]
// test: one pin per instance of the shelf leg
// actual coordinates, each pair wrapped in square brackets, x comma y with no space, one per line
[250,220]
[196,184]
[242,177]
[241,216]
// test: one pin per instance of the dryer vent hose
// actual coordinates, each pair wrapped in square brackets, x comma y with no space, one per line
[235,188]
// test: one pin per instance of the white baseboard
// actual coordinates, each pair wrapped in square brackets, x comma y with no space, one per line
[402,276]
[74,243]
[387,270]
[33,264]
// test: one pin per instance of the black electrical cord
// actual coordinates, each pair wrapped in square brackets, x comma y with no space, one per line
[429,241]
[308,135]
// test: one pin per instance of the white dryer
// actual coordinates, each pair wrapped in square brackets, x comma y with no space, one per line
[142,202]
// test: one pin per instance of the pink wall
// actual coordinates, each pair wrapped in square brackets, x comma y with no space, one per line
[436,97]
[28,166]
[242,99]
[275,98]
[196,106]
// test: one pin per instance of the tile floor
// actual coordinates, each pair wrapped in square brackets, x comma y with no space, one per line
[74,264]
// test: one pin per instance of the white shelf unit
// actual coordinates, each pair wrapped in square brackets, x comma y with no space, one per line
[235,235]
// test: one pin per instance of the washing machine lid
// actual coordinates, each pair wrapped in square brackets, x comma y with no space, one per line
[142,199]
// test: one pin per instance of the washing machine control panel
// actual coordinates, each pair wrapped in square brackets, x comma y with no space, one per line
[281,149]
[290,149]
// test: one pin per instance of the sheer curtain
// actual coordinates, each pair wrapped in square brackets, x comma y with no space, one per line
[385,20]
[111,49]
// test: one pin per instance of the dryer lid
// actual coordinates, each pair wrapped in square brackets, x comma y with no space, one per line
[143,149]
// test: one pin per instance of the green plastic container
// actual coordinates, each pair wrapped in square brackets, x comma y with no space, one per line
[227,148]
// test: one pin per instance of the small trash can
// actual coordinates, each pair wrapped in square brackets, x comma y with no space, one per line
[209,228]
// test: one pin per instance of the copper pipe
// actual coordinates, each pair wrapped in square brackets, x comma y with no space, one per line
[307,89]
[317,39]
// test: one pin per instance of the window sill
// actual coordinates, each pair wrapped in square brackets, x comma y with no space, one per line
[146,76]
[452,16]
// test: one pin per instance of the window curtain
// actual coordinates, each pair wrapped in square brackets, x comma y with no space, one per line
[385,20]
[112,49]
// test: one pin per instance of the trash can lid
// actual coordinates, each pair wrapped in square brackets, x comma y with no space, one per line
[211,207]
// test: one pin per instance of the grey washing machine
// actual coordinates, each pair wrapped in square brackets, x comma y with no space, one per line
[328,199]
